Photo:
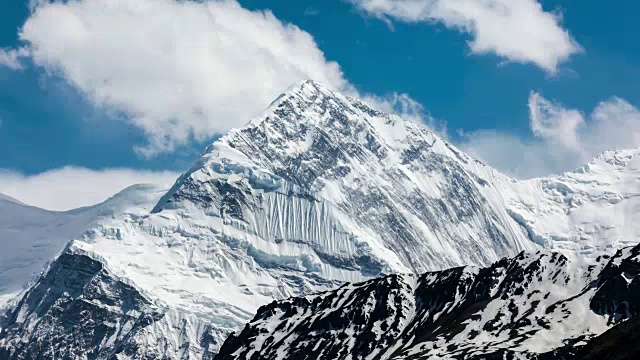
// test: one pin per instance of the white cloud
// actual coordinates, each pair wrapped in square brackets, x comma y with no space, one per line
[182,70]
[11,58]
[517,30]
[179,69]
[563,139]
[71,187]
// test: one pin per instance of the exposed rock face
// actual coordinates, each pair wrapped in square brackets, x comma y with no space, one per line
[74,307]
[79,309]
[318,191]
[540,305]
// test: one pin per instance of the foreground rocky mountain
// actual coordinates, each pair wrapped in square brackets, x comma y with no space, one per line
[534,306]
[319,190]
[618,343]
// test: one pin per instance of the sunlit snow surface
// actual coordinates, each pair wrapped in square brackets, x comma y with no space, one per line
[320,190]
[588,210]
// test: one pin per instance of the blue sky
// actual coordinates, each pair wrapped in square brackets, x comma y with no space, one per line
[433,64]
[54,115]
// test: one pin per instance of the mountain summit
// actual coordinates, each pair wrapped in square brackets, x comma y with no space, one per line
[319,190]
[361,190]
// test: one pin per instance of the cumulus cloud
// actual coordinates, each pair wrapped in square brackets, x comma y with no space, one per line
[180,70]
[516,30]
[562,139]
[71,187]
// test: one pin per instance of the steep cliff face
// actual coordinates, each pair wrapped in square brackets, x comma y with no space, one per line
[321,190]
[539,305]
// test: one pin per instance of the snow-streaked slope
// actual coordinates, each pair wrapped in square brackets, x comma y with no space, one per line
[319,190]
[538,305]
[31,237]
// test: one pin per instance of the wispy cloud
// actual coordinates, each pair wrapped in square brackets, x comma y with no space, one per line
[516,30]
[12,58]
[72,187]
[311,11]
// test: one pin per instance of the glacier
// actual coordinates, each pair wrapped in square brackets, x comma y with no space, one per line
[318,190]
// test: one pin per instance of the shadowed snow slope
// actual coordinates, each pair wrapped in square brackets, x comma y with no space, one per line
[30,237]
[7,198]
[319,190]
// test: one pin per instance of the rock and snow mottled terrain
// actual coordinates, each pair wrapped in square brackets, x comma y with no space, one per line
[317,191]
[533,306]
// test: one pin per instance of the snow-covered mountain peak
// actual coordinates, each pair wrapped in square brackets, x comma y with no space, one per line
[299,93]
[384,180]
[316,138]
[589,210]
[319,190]
[294,118]
[310,105]
[613,161]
